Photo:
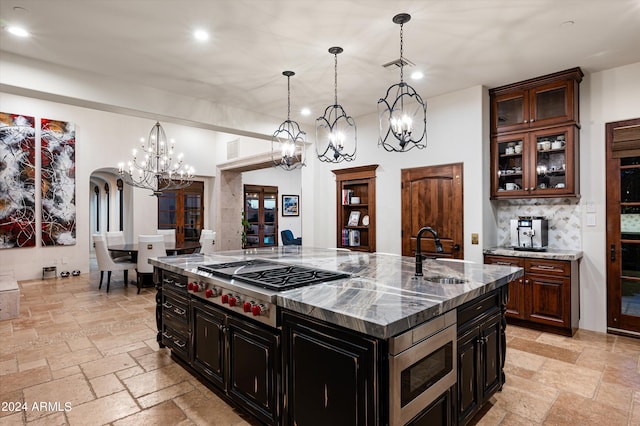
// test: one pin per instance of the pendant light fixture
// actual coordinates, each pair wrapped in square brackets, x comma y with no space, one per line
[157,168]
[287,143]
[402,113]
[336,133]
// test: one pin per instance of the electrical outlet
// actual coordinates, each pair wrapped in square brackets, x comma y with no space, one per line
[474,238]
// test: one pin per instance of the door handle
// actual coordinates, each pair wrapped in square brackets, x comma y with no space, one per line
[612,250]
[456,247]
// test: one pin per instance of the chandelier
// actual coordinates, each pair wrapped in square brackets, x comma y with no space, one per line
[402,113]
[156,169]
[335,130]
[287,143]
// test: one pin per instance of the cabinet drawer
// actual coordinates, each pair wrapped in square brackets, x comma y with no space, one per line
[504,260]
[175,282]
[550,267]
[175,307]
[176,340]
[476,310]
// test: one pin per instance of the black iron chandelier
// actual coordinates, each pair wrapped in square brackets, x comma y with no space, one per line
[288,142]
[158,169]
[336,132]
[402,113]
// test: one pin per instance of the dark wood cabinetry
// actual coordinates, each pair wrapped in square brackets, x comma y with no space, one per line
[261,212]
[175,324]
[330,376]
[481,352]
[546,297]
[535,129]
[208,343]
[356,221]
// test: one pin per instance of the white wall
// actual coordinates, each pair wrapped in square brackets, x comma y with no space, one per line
[102,140]
[455,134]
[606,96]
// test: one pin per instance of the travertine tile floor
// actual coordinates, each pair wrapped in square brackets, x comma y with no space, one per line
[79,356]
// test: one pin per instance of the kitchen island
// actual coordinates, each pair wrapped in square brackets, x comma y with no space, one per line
[333,352]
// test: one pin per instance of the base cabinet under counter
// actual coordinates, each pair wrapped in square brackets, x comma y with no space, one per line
[547,297]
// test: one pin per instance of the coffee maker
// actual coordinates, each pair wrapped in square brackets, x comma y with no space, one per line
[529,233]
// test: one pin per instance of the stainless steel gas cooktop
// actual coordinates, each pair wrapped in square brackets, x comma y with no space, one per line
[271,275]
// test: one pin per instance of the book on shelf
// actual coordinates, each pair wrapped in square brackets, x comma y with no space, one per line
[354,218]
[350,237]
[354,237]
[346,196]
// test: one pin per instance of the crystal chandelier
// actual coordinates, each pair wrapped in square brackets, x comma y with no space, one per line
[402,113]
[287,143]
[336,133]
[156,169]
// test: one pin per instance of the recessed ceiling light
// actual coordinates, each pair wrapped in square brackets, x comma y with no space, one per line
[305,111]
[201,35]
[417,75]
[18,31]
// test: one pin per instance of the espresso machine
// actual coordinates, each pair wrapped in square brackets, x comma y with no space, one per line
[529,233]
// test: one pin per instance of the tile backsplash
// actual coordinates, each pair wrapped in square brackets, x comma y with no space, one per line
[563,214]
[630,223]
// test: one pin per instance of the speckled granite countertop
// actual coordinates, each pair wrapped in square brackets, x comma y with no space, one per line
[381,298]
[550,253]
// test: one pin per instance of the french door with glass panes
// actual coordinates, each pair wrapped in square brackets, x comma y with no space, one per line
[261,214]
[182,210]
[623,226]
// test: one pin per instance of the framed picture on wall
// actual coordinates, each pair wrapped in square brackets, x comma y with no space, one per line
[290,205]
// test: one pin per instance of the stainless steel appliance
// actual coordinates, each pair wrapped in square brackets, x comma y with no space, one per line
[529,233]
[422,366]
[250,286]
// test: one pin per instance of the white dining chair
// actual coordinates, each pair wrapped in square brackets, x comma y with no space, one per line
[169,235]
[116,238]
[106,263]
[148,246]
[207,243]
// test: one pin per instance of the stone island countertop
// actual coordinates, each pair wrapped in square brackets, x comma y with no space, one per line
[381,298]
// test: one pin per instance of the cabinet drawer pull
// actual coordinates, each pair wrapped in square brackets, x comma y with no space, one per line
[179,344]
[547,267]
[179,285]
[504,263]
[167,281]
[167,335]
[167,305]
[179,311]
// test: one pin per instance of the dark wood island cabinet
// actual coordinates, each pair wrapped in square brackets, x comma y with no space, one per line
[306,364]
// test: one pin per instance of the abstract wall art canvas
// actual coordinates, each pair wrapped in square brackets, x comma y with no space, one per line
[17,181]
[58,144]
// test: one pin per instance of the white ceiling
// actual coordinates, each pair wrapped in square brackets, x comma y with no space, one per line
[456,43]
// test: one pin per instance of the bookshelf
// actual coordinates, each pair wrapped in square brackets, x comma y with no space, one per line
[356,208]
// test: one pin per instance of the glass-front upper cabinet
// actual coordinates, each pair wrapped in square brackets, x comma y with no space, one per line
[261,214]
[543,101]
[535,164]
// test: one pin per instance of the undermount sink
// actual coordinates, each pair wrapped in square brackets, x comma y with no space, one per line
[445,280]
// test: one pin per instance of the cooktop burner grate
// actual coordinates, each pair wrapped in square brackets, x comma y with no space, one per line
[271,275]
[288,277]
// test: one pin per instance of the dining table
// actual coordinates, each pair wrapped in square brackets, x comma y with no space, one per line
[183,247]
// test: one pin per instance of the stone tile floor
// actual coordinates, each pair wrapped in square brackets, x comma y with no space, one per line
[80,356]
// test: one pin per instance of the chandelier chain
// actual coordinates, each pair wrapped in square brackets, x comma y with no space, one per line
[401,52]
[335,76]
[288,98]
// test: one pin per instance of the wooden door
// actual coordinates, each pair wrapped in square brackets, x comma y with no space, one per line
[182,210]
[432,196]
[623,225]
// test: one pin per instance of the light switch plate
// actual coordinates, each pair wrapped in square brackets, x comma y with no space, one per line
[591,219]
[474,238]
